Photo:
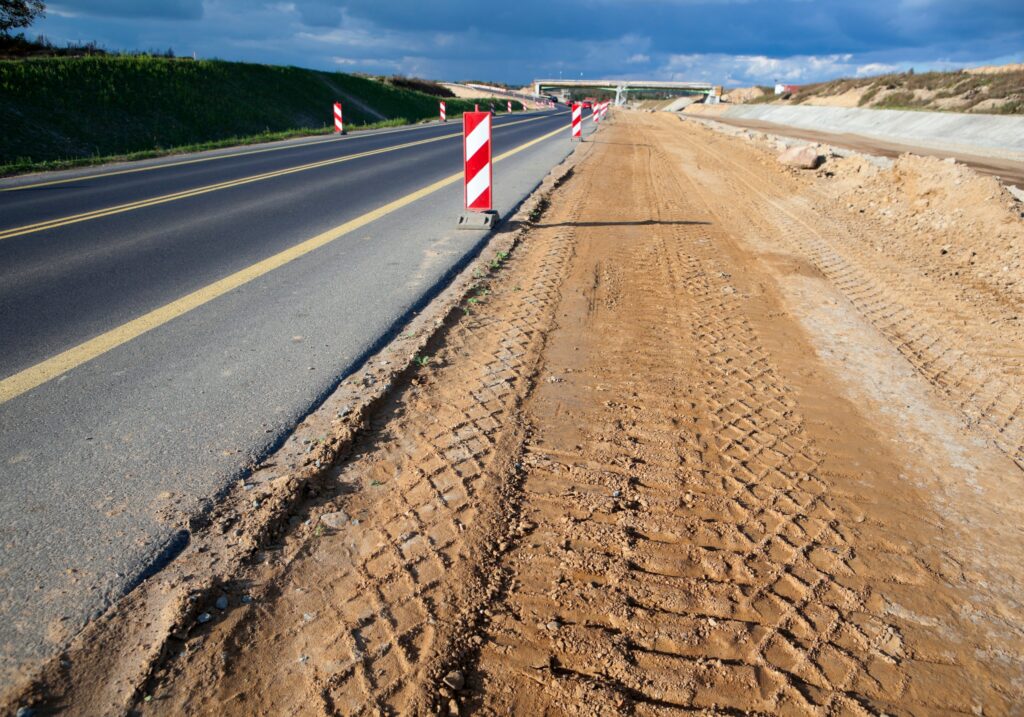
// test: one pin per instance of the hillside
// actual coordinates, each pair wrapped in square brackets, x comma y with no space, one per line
[991,90]
[65,108]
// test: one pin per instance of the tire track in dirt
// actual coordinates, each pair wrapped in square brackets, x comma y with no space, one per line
[972,634]
[692,552]
[363,615]
[620,486]
[953,347]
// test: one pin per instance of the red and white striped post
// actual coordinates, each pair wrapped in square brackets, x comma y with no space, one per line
[510,106]
[444,117]
[577,121]
[476,155]
[476,143]
[339,125]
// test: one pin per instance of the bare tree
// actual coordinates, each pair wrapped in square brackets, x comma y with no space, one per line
[19,13]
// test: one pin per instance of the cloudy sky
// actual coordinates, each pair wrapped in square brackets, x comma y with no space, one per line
[731,42]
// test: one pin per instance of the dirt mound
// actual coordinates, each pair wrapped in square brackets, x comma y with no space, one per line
[850,98]
[740,95]
[957,225]
[995,69]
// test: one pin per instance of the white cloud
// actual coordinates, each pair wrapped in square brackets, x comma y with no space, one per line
[638,59]
[876,68]
[345,38]
[58,11]
[735,70]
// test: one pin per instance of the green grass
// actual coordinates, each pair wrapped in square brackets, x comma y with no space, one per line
[67,111]
[27,165]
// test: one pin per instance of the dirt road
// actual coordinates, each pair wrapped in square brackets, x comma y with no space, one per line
[710,439]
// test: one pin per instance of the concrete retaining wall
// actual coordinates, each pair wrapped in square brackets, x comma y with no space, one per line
[987,135]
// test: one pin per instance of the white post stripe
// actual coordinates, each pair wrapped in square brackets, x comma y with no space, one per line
[477,185]
[478,137]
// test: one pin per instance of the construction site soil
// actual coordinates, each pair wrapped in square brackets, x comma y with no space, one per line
[716,436]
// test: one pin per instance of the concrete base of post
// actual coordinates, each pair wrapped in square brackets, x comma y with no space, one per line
[478,220]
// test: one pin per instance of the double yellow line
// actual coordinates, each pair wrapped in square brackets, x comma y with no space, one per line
[61,363]
[278,147]
[143,203]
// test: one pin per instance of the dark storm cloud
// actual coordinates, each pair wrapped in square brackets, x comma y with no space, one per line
[166,9]
[755,26]
[320,13]
[742,40]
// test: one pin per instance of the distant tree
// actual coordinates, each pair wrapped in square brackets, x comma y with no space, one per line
[19,13]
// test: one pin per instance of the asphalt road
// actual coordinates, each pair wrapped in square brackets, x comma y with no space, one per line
[98,446]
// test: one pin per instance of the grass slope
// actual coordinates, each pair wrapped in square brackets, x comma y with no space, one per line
[960,91]
[75,108]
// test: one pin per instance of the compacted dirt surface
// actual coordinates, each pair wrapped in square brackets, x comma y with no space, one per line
[714,437]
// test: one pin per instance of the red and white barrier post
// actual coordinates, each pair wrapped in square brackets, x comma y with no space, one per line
[339,125]
[577,121]
[510,106]
[476,152]
[444,117]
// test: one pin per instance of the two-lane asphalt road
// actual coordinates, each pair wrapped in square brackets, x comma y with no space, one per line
[164,324]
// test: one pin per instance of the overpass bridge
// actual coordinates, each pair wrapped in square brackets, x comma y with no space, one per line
[622,87]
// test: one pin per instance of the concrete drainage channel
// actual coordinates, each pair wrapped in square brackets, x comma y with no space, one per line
[1014,183]
[106,665]
[996,136]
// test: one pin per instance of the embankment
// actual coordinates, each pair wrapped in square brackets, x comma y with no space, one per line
[79,107]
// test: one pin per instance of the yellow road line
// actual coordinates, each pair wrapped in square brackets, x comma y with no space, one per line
[200,160]
[142,203]
[65,361]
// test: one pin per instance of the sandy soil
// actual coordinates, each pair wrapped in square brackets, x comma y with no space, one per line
[850,98]
[994,69]
[739,95]
[717,436]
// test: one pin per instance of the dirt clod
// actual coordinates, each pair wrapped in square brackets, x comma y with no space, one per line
[455,680]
